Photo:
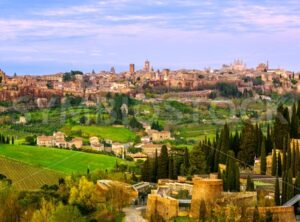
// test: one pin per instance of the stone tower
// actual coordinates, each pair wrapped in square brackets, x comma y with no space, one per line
[205,189]
[147,66]
[131,68]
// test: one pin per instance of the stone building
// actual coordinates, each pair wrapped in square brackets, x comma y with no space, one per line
[58,140]
[204,189]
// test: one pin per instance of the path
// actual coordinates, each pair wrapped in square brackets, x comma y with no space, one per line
[133,215]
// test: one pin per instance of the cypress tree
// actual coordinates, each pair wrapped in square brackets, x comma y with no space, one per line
[279,165]
[284,188]
[277,192]
[294,123]
[146,171]
[155,168]
[248,144]
[290,186]
[274,163]
[175,171]
[289,158]
[197,160]
[250,184]
[163,163]
[269,141]
[171,167]
[232,174]
[225,143]
[284,160]
[293,164]
[263,160]
[186,161]
[202,211]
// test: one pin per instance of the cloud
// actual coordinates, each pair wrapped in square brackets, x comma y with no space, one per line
[74,10]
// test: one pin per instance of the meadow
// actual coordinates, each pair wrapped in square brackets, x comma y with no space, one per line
[59,160]
[116,134]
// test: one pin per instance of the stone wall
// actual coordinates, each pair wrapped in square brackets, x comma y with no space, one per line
[280,214]
[205,189]
[161,207]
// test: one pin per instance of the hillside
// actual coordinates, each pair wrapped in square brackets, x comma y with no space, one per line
[27,177]
[64,161]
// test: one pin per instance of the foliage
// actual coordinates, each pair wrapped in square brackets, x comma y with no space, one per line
[228,90]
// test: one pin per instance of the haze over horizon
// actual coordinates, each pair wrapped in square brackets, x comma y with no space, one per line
[43,37]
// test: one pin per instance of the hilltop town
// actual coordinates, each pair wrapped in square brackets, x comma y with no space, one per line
[203,83]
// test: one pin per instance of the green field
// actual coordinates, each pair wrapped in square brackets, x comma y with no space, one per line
[27,177]
[60,160]
[116,134]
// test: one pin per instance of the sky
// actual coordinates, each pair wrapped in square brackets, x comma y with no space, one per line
[50,36]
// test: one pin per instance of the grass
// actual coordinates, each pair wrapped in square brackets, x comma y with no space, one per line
[27,177]
[116,134]
[183,219]
[60,160]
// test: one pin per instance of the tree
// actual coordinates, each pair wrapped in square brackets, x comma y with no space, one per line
[83,196]
[163,163]
[281,126]
[67,214]
[44,213]
[134,124]
[248,144]
[186,162]
[171,167]
[155,168]
[30,140]
[294,123]
[250,184]
[297,183]
[225,143]
[263,160]
[269,141]
[274,163]
[279,165]
[277,192]
[146,171]
[232,174]
[202,211]
[82,120]
[197,161]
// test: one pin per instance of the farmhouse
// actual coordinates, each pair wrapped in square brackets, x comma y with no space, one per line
[95,144]
[157,136]
[76,142]
[58,140]
[150,149]
[47,141]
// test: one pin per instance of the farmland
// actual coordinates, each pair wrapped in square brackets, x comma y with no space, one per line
[116,134]
[27,177]
[59,160]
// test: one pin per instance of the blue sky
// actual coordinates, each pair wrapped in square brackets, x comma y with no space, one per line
[43,36]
